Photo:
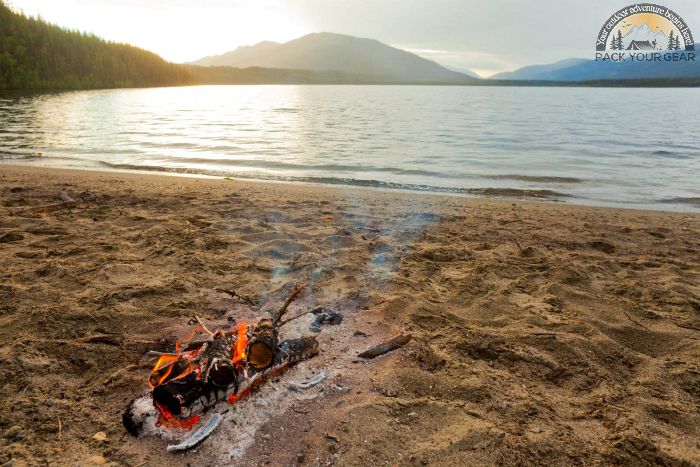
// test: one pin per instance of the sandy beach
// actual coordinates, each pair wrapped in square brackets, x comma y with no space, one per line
[543,333]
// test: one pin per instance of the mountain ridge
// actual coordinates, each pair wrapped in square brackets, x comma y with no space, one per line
[326,51]
[580,70]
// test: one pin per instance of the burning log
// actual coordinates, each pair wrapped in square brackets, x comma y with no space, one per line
[262,346]
[227,366]
[185,397]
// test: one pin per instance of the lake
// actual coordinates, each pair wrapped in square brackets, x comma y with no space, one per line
[635,148]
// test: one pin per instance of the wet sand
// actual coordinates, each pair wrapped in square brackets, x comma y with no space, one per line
[543,333]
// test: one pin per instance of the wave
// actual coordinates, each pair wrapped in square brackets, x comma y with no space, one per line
[535,178]
[489,192]
[671,155]
[693,201]
[20,156]
[264,164]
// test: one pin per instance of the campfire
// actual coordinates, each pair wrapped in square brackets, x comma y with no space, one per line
[224,364]
[213,366]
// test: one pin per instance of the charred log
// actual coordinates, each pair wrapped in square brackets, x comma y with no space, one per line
[219,369]
[388,346]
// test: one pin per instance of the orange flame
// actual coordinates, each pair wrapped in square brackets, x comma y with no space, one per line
[241,343]
[157,376]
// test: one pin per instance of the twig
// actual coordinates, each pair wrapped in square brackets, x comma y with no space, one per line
[236,295]
[117,340]
[204,326]
[283,309]
[60,427]
[635,321]
[66,203]
[282,323]
[155,353]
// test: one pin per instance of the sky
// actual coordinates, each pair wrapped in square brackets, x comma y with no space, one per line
[486,36]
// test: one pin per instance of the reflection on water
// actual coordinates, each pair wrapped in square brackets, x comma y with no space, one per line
[632,147]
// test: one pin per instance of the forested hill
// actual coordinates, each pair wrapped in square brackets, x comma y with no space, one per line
[37,55]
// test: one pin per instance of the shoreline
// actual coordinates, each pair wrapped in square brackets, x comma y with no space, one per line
[505,194]
[543,333]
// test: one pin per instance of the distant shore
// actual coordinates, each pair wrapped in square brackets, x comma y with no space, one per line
[542,333]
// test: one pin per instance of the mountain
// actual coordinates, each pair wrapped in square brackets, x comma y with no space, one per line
[590,70]
[643,33]
[38,55]
[539,72]
[464,71]
[337,52]
[239,58]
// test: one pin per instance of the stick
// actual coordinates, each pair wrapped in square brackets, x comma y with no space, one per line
[154,353]
[66,203]
[635,321]
[117,340]
[386,347]
[282,323]
[204,326]
[236,295]
[283,309]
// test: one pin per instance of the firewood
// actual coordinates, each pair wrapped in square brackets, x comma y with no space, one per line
[219,369]
[187,396]
[386,347]
[262,344]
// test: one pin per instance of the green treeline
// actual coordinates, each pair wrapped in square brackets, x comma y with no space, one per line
[38,55]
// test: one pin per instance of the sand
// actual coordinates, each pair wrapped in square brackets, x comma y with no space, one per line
[543,333]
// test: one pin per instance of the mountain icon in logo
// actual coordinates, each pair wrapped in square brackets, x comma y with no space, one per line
[644,27]
[642,37]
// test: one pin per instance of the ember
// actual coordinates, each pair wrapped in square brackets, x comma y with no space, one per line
[226,365]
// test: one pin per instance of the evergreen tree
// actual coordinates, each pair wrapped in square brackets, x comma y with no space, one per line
[619,40]
[38,55]
[671,41]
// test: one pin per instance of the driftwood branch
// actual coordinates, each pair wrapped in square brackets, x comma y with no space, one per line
[66,203]
[386,347]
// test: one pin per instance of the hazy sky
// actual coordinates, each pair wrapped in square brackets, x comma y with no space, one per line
[482,35]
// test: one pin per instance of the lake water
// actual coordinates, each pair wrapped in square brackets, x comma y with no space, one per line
[617,147]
